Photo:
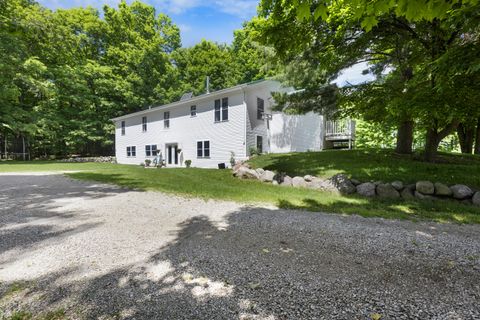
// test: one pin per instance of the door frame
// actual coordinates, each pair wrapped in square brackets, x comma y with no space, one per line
[176,156]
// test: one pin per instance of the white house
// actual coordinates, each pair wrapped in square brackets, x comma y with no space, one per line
[206,129]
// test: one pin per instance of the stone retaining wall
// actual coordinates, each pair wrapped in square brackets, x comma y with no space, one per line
[340,183]
[108,159]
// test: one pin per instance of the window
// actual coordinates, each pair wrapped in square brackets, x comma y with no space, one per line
[224,109]
[166,119]
[151,150]
[221,110]
[203,149]
[217,110]
[144,124]
[259,144]
[131,151]
[123,128]
[193,111]
[260,108]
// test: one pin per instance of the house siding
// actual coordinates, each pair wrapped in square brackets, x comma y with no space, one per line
[225,137]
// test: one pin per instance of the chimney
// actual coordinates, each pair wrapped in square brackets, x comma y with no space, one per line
[208,84]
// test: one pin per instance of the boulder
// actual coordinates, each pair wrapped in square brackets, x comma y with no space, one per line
[425,187]
[246,173]
[287,181]
[407,194]
[279,177]
[260,171]
[461,191]
[343,184]
[308,178]
[442,189]
[316,184]
[385,190]
[299,182]
[275,182]
[267,176]
[366,189]
[355,182]
[422,196]
[476,199]
[398,185]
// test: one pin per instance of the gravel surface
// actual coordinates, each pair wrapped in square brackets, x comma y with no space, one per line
[103,252]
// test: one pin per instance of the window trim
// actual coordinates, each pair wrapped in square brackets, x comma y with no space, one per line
[221,109]
[131,151]
[166,120]
[193,111]
[203,149]
[123,125]
[152,151]
[256,143]
[260,114]
[144,123]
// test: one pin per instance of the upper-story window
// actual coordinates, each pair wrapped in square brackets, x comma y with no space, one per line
[260,108]
[144,124]
[221,110]
[193,111]
[123,128]
[166,119]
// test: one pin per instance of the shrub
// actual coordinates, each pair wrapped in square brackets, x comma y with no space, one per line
[253,151]
[147,162]
[232,158]
[188,163]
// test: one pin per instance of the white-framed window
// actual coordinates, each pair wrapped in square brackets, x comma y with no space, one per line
[259,144]
[144,124]
[260,108]
[221,110]
[123,128]
[203,149]
[131,151]
[193,111]
[151,150]
[166,119]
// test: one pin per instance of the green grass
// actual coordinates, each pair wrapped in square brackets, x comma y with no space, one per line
[219,184]
[383,165]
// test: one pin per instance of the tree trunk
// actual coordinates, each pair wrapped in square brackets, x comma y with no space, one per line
[477,138]
[434,137]
[465,136]
[405,137]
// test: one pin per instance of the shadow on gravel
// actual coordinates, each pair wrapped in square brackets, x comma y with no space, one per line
[31,208]
[275,264]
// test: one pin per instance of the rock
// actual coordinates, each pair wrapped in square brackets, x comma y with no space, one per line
[442,190]
[260,171]
[299,182]
[287,181]
[355,182]
[279,177]
[246,173]
[398,185]
[385,190]
[316,184]
[422,196]
[476,199]
[267,176]
[461,191]
[425,187]
[275,182]
[366,189]
[407,194]
[377,182]
[343,184]
[308,178]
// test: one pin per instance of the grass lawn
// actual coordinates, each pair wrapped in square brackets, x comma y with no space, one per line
[219,184]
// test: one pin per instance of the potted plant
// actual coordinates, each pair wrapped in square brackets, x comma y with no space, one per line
[188,163]
[147,162]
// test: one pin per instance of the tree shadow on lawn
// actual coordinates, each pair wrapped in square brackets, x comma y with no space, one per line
[435,210]
[367,164]
[279,264]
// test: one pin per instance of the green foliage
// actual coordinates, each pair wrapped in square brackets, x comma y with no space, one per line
[188,163]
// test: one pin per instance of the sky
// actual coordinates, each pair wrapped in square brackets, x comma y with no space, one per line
[213,20]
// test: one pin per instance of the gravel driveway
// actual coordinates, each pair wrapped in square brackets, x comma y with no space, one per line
[92,251]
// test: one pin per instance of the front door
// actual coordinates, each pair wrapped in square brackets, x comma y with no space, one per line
[172,154]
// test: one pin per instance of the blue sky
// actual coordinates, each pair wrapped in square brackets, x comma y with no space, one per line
[204,19]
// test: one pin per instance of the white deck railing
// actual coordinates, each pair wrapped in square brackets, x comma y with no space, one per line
[341,127]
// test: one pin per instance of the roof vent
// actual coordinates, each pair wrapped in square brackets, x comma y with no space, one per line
[186,96]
